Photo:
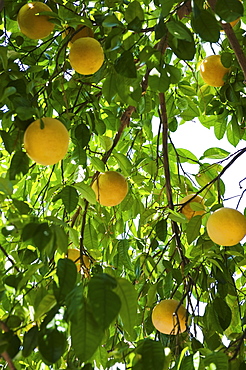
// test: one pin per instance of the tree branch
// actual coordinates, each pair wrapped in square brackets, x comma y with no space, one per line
[233,41]
[164,120]
[236,47]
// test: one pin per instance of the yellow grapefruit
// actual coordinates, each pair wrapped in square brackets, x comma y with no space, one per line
[110,188]
[32,24]
[212,71]
[86,55]
[169,317]
[187,210]
[46,141]
[226,226]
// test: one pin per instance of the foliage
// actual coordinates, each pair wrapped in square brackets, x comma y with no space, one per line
[143,250]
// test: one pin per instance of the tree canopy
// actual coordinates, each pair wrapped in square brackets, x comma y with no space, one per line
[55,314]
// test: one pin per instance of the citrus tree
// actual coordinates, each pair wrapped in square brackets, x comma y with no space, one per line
[105,253]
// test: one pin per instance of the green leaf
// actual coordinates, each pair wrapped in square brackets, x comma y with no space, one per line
[104,302]
[111,21]
[42,236]
[90,237]
[86,192]
[46,303]
[179,31]
[19,165]
[234,132]
[205,24]
[229,10]
[223,312]
[70,198]
[30,341]
[152,356]
[123,163]
[86,334]
[109,88]
[191,112]
[97,164]
[125,65]
[215,153]
[22,207]
[51,344]
[128,311]
[3,57]
[67,274]
[166,6]
[133,11]
[83,135]
[219,359]
[193,228]
[186,89]
[220,129]
[161,229]
[185,155]
[13,345]
[174,73]
[123,254]
[183,49]
[61,238]
[6,186]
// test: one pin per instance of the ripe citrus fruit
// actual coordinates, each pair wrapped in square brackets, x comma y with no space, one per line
[187,210]
[212,71]
[226,226]
[33,25]
[86,55]
[169,317]
[110,188]
[84,32]
[46,141]
[74,255]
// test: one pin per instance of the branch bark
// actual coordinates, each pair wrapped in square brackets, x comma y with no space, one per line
[233,41]
[164,120]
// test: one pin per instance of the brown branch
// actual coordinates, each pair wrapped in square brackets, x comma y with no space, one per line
[233,41]
[164,120]
[162,45]
[5,354]
[236,47]
[125,121]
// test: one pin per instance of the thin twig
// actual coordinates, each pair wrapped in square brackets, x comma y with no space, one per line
[9,258]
